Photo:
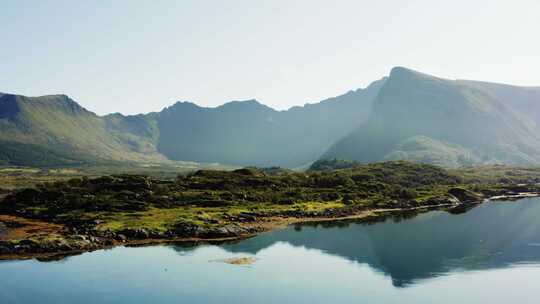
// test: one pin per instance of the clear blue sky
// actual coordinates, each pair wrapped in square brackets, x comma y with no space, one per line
[140,56]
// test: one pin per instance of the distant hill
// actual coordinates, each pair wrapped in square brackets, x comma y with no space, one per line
[423,118]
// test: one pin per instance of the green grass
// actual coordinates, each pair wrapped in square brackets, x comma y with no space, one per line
[165,219]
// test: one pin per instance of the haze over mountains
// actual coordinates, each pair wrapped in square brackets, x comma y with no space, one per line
[249,133]
[409,115]
[423,118]
[55,130]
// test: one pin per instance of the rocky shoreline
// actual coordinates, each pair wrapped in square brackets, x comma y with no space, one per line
[248,225]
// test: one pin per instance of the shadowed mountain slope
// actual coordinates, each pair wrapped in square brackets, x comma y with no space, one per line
[249,133]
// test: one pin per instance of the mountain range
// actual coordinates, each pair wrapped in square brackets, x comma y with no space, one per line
[55,130]
[407,115]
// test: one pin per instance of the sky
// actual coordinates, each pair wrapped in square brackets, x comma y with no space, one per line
[141,56]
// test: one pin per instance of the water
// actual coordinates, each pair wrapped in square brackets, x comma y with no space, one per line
[490,254]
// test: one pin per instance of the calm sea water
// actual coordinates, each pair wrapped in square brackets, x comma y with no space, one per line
[490,254]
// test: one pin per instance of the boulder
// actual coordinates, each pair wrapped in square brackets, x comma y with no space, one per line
[135,233]
[226,231]
[188,230]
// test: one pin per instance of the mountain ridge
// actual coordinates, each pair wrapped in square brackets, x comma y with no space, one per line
[490,127]
[408,115]
[140,137]
[260,136]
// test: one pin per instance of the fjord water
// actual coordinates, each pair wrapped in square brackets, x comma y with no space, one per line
[490,254]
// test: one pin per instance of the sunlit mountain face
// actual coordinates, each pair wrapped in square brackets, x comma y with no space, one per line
[419,117]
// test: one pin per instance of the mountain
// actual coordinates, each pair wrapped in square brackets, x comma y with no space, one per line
[406,116]
[423,118]
[55,130]
[249,133]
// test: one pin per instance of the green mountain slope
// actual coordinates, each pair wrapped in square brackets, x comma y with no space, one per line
[61,131]
[425,118]
[427,150]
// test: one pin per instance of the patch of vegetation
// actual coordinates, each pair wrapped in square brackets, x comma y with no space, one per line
[17,177]
[332,164]
[499,174]
[428,150]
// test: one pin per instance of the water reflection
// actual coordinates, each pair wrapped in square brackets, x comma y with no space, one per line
[345,262]
[493,235]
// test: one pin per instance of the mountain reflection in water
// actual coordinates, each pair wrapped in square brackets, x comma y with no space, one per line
[489,254]
[493,235]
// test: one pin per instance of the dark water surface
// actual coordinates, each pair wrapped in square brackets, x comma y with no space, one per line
[490,254]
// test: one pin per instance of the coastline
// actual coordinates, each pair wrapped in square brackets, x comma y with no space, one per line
[262,225]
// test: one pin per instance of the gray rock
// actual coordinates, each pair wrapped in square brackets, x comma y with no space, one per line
[120,237]
[3,229]
[138,233]
[227,231]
